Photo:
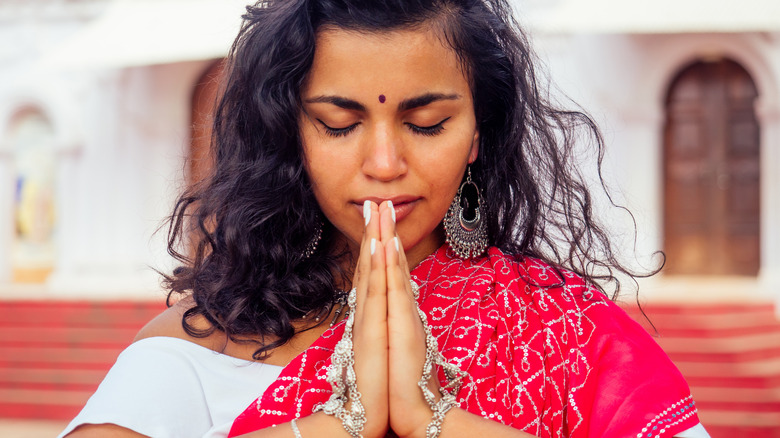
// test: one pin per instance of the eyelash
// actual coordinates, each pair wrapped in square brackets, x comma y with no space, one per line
[422,130]
[338,132]
[428,130]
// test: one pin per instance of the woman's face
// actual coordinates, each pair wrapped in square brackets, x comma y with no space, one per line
[387,116]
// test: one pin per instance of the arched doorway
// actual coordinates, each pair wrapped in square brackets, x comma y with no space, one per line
[204,98]
[711,172]
[35,210]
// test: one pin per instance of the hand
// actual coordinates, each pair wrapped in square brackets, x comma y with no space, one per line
[409,412]
[370,335]
[389,345]
[386,318]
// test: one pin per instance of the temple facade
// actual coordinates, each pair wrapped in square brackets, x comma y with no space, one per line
[104,112]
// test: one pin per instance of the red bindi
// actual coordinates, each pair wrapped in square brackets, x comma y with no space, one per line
[381,98]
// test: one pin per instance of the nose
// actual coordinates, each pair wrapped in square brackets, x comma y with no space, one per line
[384,158]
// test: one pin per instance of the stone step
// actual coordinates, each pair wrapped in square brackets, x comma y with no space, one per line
[760,368]
[729,344]
[737,399]
[714,418]
[66,337]
[52,378]
[705,317]
[58,357]
[725,356]
[729,381]
[60,313]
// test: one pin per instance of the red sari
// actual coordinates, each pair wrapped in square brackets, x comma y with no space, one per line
[551,360]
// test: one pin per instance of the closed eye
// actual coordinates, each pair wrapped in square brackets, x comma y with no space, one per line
[338,132]
[428,130]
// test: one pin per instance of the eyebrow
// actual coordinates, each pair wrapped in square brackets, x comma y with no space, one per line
[425,99]
[405,105]
[341,102]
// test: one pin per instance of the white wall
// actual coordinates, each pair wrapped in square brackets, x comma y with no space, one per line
[622,81]
[121,137]
[123,181]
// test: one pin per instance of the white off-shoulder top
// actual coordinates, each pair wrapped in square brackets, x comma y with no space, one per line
[171,388]
[167,387]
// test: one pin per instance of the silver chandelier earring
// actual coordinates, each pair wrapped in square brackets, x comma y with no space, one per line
[465,224]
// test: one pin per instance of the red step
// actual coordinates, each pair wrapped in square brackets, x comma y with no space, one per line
[730,356]
[53,354]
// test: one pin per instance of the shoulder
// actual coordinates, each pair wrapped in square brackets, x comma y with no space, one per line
[167,387]
[523,278]
[151,381]
[169,324]
[537,277]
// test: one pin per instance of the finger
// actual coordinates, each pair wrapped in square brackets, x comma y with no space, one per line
[387,222]
[376,296]
[389,231]
[404,322]
[363,268]
[371,316]
[400,298]
[370,335]
[403,263]
[406,340]
[396,279]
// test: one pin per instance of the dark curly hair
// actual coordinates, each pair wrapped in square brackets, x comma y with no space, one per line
[249,222]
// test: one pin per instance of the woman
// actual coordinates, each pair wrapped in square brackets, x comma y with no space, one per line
[395,150]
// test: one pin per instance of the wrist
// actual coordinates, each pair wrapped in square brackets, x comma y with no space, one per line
[428,420]
[440,410]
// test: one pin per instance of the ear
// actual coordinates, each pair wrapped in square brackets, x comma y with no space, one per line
[474,148]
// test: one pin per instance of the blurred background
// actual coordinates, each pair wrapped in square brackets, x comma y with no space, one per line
[104,114]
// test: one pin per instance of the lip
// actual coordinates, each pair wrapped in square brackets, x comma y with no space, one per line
[403,205]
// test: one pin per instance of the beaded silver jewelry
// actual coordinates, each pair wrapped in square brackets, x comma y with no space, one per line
[453,374]
[439,410]
[343,380]
[339,299]
[296,431]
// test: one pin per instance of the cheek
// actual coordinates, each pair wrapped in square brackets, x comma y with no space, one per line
[446,193]
[323,170]
[326,173]
[451,167]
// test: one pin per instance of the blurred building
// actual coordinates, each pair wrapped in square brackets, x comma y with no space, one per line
[687,95]
[96,108]
[104,106]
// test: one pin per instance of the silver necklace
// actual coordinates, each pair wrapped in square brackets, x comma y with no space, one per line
[339,299]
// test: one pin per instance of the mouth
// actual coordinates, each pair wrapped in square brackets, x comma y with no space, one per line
[403,205]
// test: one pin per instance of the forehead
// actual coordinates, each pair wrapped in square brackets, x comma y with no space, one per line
[387,62]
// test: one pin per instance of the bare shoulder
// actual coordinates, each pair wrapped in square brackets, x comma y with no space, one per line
[169,324]
[103,431]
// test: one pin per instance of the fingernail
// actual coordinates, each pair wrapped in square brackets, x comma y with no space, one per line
[367,211]
[392,209]
[373,246]
[397,246]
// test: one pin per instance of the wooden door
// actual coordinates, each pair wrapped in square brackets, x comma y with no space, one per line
[711,172]
[204,98]
[204,101]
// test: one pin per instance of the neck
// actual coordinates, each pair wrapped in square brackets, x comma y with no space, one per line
[419,252]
